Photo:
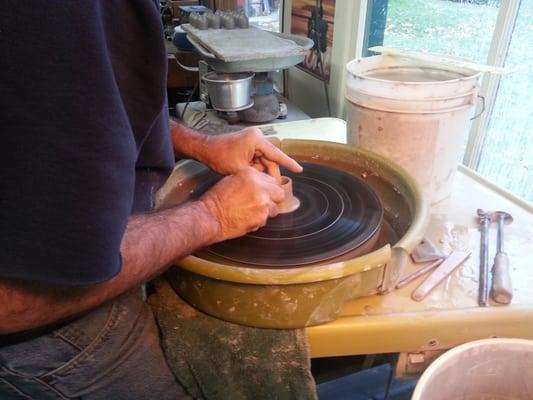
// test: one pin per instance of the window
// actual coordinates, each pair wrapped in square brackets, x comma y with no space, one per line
[500,145]
[462,29]
[264,14]
[507,153]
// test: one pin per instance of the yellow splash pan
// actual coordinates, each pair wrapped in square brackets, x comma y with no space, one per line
[304,296]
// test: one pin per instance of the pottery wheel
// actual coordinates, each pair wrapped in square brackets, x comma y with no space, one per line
[338,214]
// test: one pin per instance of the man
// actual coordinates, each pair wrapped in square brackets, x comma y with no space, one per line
[85,145]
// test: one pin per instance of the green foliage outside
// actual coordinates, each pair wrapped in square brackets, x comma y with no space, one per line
[441,26]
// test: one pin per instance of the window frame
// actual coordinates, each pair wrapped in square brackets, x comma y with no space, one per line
[500,43]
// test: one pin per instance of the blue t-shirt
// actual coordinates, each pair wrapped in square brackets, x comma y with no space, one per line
[84,132]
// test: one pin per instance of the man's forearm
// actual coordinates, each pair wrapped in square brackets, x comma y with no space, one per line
[151,243]
[187,143]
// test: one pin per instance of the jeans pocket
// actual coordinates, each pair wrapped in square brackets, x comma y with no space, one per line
[8,391]
[27,369]
[87,337]
[36,357]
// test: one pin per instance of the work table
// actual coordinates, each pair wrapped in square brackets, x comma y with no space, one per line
[449,315]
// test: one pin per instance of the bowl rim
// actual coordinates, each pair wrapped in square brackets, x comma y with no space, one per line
[210,77]
[444,358]
[316,273]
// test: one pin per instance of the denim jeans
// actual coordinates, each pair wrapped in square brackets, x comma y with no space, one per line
[111,353]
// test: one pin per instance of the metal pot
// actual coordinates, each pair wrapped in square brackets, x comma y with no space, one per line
[229,92]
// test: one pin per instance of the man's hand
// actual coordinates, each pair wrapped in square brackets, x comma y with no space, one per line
[232,152]
[243,202]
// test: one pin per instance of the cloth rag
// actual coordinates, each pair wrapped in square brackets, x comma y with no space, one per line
[218,360]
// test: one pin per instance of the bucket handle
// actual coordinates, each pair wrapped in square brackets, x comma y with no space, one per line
[482,107]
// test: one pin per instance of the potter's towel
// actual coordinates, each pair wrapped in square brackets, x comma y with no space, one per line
[218,360]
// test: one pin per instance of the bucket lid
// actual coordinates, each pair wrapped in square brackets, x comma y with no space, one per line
[373,80]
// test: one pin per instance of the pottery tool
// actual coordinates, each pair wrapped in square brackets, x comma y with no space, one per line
[502,291]
[418,273]
[484,222]
[426,251]
[454,260]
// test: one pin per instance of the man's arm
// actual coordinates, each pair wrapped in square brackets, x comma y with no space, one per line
[187,142]
[151,243]
[231,152]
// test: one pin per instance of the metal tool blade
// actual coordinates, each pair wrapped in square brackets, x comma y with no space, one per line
[426,251]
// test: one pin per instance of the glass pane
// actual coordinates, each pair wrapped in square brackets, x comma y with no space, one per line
[264,14]
[454,27]
[507,155]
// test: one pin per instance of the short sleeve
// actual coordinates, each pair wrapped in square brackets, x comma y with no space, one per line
[67,156]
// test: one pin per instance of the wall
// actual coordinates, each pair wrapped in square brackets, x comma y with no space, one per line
[307,91]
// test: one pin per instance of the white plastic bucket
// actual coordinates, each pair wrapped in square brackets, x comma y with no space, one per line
[413,113]
[490,369]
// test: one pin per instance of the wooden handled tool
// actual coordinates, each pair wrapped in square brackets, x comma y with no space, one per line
[502,290]
[455,259]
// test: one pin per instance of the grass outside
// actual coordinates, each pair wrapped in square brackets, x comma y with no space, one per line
[441,26]
[465,30]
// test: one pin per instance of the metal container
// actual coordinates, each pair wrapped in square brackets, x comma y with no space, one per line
[304,296]
[229,92]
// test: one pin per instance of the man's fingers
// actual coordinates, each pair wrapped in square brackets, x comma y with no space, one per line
[272,210]
[272,153]
[272,169]
[258,166]
[272,186]
[269,185]
[277,194]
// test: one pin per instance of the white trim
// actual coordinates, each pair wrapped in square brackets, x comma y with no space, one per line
[360,28]
[351,31]
[501,40]
[307,91]
[496,188]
